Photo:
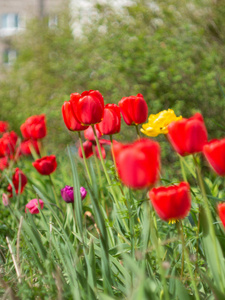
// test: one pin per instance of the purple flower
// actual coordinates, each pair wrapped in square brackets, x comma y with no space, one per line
[83,192]
[68,196]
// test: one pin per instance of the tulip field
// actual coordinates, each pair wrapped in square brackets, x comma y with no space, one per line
[104,220]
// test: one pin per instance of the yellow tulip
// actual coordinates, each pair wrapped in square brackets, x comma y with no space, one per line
[158,124]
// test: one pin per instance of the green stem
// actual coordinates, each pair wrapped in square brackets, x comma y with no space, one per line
[158,248]
[137,130]
[84,157]
[186,254]
[106,174]
[113,155]
[54,192]
[182,168]
[209,216]
[99,173]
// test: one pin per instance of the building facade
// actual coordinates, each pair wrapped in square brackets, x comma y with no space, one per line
[14,15]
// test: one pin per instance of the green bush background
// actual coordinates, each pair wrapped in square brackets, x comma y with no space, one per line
[172,53]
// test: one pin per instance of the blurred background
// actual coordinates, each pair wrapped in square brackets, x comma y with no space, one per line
[171,51]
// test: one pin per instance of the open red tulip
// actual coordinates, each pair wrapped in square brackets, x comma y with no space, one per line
[173,202]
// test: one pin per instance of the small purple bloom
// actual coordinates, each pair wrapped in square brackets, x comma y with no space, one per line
[68,196]
[83,192]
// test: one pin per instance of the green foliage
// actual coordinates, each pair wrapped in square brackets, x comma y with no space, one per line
[170,51]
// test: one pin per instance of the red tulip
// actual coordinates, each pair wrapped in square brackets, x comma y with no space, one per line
[88,107]
[26,146]
[214,152]
[88,150]
[188,136]
[172,202]
[8,143]
[3,163]
[89,134]
[3,126]
[137,163]
[33,207]
[34,127]
[19,181]
[134,109]
[111,121]
[221,211]
[45,165]
[69,118]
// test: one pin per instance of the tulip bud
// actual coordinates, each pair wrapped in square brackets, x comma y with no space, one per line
[134,109]
[33,206]
[45,165]
[68,194]
[214,152]
[88,107]
[111,121]
[70,119]
[137,163]
[188,136]
[5,200]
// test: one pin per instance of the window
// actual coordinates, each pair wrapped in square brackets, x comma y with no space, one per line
[52,21]
[9,56]
[10,21]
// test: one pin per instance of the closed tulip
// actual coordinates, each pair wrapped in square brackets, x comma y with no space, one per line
[188,136]
[173,202]
[221,211]
[214,152]
[111,121]
[88,107]
[3,126]
[26,146]
[19,181]
[134,109]
[8,143]
[137,163]
[34,127]
[68,194]
[4,163]
[33,206]
[88,150]
[69,118]
[89,134]
[45,165]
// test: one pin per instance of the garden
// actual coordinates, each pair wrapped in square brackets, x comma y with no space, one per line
[117,229]
[112,156]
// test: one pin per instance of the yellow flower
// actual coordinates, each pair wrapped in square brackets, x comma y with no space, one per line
[157,124]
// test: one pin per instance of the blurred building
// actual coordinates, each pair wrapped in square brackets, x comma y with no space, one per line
[14,15]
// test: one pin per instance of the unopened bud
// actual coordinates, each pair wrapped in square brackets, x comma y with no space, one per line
[5,200]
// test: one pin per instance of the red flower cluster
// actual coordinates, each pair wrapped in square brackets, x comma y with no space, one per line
[19,181]
[90,145]
[137,163]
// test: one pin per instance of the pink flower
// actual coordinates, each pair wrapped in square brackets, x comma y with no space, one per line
[32,206]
